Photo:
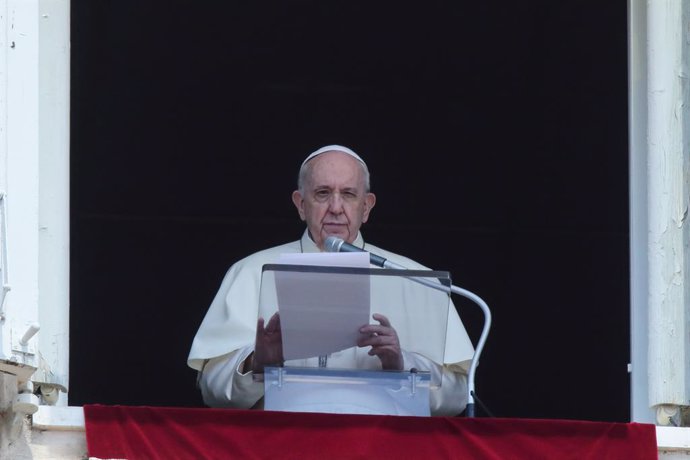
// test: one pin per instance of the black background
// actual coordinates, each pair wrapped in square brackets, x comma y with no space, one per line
[496,134]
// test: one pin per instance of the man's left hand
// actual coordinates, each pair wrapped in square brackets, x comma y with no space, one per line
[383,341]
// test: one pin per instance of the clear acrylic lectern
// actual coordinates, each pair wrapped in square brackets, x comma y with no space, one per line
[321,310]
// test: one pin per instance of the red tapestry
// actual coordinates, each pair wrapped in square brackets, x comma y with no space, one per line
[166,433]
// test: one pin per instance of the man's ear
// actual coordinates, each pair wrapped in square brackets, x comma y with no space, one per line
[369,202]
[299,203]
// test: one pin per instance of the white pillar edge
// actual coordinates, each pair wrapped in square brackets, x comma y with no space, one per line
[667,188]
[640,410]
[4,331]
[54,179]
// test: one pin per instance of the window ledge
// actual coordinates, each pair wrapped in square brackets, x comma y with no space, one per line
[71,418]
[58,418]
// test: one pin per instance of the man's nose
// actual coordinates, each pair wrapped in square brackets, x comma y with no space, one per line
[335,204]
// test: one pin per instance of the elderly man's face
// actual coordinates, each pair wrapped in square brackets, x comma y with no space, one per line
[335,201]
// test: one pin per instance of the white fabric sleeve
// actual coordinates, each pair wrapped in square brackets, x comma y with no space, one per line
[451,398]
[223,384]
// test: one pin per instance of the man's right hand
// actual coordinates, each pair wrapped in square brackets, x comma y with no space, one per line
[268,350]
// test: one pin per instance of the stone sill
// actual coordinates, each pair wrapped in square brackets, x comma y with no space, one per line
[674,439]
[58,418]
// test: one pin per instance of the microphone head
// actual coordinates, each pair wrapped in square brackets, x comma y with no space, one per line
[333,244]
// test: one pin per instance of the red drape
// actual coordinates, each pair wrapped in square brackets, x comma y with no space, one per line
[168,433]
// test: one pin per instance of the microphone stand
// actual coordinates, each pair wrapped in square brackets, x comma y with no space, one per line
[470,409]
[335,244]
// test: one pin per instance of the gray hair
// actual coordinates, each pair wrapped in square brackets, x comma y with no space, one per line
[305,169]
[305,172]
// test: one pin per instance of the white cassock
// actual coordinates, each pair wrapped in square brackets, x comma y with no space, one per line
[227,334]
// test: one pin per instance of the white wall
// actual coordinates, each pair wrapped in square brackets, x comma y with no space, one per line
[34,176]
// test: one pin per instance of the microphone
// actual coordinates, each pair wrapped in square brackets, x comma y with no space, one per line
[335,244]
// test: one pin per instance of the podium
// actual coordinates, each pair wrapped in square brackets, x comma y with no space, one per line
[320,312]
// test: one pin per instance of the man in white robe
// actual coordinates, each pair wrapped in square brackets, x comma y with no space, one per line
[333,199]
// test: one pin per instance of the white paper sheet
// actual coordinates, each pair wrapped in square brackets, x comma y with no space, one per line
[321,313]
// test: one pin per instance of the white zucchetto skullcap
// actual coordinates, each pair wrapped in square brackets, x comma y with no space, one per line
[333,148]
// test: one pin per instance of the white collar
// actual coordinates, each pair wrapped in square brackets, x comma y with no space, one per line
[308,245]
